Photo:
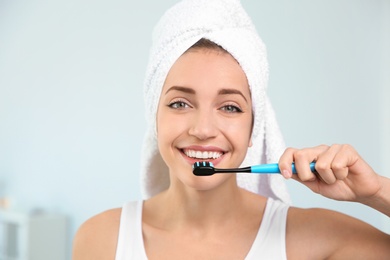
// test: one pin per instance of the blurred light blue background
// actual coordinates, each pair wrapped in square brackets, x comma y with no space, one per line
[72,114]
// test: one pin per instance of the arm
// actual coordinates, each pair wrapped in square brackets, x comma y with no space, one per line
[97,238]
[326,234]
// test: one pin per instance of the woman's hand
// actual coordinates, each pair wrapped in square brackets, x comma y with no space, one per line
[341,173]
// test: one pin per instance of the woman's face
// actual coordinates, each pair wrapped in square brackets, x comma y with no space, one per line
[204,114]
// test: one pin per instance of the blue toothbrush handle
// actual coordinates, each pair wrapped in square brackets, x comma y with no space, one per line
[312,167]
[274,168]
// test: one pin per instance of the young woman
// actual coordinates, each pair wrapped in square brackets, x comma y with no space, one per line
[206,92]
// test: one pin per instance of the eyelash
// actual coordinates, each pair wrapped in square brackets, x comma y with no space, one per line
[181,104]
[229,108]
[178,104]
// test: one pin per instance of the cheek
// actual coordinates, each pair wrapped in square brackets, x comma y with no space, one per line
[163,137]
[241,130]
[161,125]
[168,126]
[162,119]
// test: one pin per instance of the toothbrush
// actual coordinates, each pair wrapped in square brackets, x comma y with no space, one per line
[207,169]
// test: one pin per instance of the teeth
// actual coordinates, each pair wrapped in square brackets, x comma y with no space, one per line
[203,155]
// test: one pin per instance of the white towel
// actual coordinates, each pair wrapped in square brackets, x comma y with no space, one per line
[226,23]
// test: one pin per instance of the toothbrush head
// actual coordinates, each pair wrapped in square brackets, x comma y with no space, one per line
[203,169]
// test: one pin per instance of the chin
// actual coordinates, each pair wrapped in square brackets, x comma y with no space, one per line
[207,183]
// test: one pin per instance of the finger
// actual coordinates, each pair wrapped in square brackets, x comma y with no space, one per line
[312,185]
[303,171]
[285,162]
[324,164]
[302,160]
[342,161]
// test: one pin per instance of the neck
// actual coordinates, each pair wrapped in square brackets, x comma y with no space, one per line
[204,206]
[181,206]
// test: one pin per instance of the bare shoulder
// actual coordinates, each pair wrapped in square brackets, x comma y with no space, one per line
[327,234]
[97,237]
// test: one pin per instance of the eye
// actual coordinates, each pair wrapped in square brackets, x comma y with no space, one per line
[231,109]
[178,105]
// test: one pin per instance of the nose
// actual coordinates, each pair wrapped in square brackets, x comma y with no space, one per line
[203,126]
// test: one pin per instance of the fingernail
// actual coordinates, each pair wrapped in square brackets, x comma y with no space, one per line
[286,174]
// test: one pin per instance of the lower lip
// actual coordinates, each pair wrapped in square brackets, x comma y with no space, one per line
[191,160]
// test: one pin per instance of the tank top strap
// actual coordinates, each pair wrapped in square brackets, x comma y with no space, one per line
[270,242]
[130,240]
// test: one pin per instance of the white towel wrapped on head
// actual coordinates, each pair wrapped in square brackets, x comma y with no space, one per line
[225,23]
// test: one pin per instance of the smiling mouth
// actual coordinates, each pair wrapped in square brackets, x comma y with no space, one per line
[202,155]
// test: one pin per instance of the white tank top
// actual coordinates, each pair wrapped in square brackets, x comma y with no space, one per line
[270,241]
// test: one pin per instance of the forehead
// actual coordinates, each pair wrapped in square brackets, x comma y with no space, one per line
[205,66]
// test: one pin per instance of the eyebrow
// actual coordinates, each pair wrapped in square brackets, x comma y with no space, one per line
[225,91]
[229,91]
[182,89]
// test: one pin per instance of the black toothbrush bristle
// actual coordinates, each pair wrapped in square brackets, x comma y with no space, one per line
[203,169]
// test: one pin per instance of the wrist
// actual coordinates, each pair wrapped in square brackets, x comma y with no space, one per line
[381,199]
